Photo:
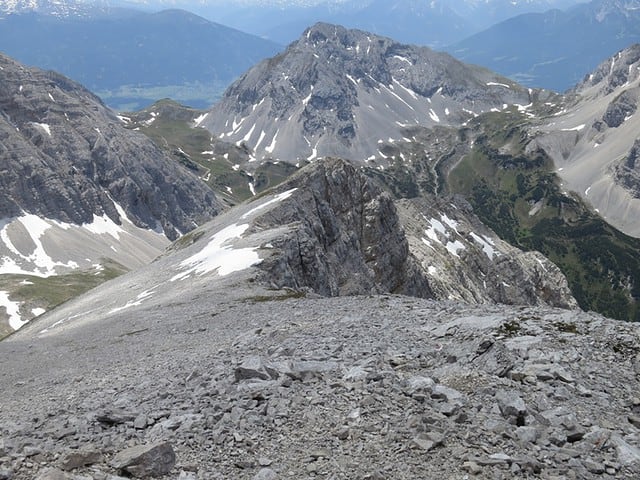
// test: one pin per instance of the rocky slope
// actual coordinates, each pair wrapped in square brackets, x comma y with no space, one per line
[220,359]
[338,92]
[592,140]
[78,190]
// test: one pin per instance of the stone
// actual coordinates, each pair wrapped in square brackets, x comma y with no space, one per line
[53,474]
[527,434]
[511,406]
[251,368]
[265,474]
[140,422]
[73,460]
[634,420]
[472,467]
[627,454]
[6,474]
[145,460]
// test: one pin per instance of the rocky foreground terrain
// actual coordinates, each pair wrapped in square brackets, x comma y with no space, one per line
[254,384]
[221,360]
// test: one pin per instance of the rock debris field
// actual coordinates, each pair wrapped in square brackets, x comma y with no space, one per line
[276,387]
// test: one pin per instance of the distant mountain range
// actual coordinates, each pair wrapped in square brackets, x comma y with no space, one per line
[132,58]
[555,49]
[430,23]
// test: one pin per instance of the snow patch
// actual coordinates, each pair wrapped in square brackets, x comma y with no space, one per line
[275,199]
[272,146]
[13,311]
[574,129]
[486,244]
[219,256]
[496,84]
[44,127]
[199,119]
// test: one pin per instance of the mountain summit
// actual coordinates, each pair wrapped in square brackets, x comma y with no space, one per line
[339,92]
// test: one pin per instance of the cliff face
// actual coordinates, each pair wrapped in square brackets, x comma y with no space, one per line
[66,157]
[346,236]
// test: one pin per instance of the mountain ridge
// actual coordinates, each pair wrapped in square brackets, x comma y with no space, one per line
[341,117]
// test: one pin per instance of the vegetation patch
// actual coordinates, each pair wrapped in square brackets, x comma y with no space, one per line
[510,328]
[519,197]
[276,298]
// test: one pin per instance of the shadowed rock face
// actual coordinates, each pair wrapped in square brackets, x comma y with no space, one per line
[336,92]
[346,238]
[65,156]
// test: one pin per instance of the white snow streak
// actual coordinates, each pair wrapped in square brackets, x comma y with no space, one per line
[13,311]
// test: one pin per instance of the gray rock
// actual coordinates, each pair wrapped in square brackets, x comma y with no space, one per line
[73,460]
[527,434]
[627,454]
[252,367]
[53,474]
[145,460]
[511,406]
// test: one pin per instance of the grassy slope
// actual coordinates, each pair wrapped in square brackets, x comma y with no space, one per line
[173,130]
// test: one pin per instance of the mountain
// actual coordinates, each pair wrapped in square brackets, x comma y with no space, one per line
[132,58]
[593,141]
[490,148]
[79,192]
[205,365]
[339,92]
[544,50]
[434,23]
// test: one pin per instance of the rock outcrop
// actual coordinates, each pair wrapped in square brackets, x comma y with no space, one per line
[67,157]
[346,236]
[464,260]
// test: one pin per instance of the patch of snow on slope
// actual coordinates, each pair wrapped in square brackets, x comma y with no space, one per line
[200,119]
[37,311]
[434,116]
[13,311]
[408,90]
[403,59]
[306,100]
[454,247]
[44,127]
[104,226]
[486,244]
[132,303]
[37,227]
[574,129]
[219,256]
[247,137]
[272,147]
[276,199]
[496,84]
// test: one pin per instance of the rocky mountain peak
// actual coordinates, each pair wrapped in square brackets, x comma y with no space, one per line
[68,157]
[338,92]
[621,69]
